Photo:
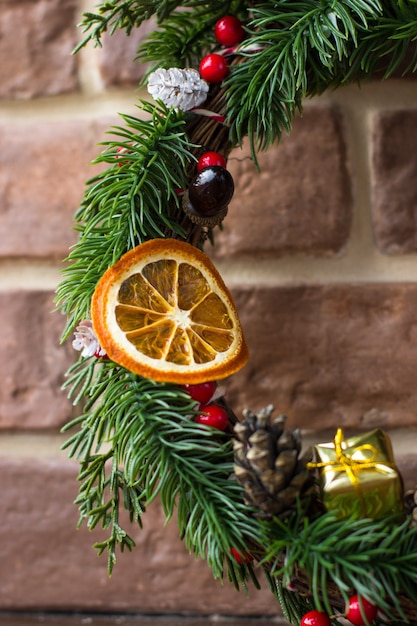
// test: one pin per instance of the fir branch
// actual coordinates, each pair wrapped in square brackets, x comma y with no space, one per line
[299,42]
[188,466]
[128,14]
[389,46]
[108,512]
[293,605]
[101,484]
[377,558]
[120,14]
[187,36]
[110,393]
[156,449]
[130,202]
[261,102]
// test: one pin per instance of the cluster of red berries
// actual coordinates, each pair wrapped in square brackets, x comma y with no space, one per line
[211,414]
[359,612]
[212,188]
[228,31]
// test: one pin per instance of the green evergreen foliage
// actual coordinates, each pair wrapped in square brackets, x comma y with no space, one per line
[298,45]
[188,35]
[377,558]
[293,605]
[389,45]
[135,439]
[128,14]
[127,203]
[306,47]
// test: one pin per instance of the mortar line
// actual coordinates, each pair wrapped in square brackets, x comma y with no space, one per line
[48,446]
[310,271]
[88,67]
[94,104]
[266,272]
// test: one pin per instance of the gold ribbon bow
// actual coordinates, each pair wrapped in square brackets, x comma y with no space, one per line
[347,463]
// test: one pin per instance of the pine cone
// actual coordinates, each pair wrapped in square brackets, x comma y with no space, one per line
[182,89]
[267,463]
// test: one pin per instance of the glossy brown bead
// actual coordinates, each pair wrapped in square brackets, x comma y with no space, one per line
[211,190]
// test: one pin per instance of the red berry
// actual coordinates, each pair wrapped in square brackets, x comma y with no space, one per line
[210,158]
[241,557]
[315,618]
[214,68]
[229,31]
[202,392]
[357,616]
[214,416]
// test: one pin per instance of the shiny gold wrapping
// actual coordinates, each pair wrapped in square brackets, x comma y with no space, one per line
[358,476]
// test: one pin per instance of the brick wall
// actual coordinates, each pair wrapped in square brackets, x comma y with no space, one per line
[319,249]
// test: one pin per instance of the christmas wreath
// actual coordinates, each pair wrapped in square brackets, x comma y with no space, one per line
[157,329]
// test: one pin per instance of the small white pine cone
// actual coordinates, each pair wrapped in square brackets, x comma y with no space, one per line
[181,89]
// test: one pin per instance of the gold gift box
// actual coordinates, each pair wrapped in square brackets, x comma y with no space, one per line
[358,476]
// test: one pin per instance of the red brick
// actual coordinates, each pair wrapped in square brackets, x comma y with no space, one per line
[301,199]
[32,363]
[394,187]
[57,568]
[36,40]
[330,355]
[43,169]
[117,58]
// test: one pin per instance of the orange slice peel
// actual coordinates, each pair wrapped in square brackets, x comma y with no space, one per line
[163,312]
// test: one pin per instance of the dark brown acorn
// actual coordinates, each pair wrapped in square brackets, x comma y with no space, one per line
[211,190]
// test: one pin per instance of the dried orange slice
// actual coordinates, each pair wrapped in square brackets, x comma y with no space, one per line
[164,312]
